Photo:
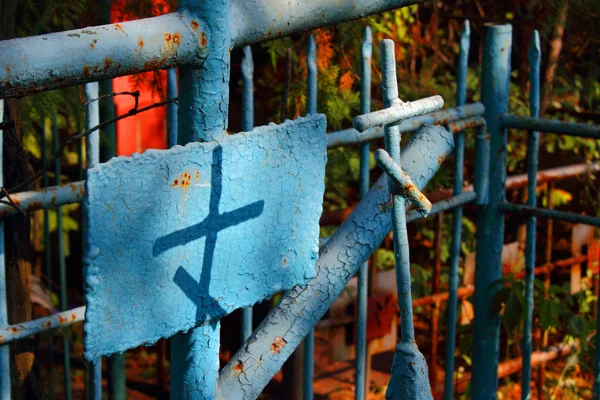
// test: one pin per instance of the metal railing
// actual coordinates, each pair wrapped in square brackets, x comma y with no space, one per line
[359,237]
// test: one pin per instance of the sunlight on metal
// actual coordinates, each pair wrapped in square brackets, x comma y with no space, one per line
[550,126]
[38,63]
[361,384]
[532,168]
[45,198]
[63,319]
[351,136]
[457,213]
[281,331]
[92,153]
[546,213]
[495,78]
[398,112]
[402,182]
[254,21]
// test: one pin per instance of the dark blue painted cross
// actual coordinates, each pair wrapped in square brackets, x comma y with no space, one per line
[198,292]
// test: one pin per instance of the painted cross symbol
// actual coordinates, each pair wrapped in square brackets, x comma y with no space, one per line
[214,222]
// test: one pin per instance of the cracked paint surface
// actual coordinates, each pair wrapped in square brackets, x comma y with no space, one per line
[339,259]
[184,236]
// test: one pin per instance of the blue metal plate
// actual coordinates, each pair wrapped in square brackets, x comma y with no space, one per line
[181,236]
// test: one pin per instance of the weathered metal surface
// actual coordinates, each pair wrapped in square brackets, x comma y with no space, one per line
[10,333]
[361,302]
[409,377]
[38,63]
[535,57]
[252,367]
[550,126]
[457,213]
[45,198]
[352,136]
[160,221]
[403,183]
[443,205]
[490,223]
[397,112]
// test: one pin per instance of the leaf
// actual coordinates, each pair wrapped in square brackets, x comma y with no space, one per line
[513,311]
[499,299]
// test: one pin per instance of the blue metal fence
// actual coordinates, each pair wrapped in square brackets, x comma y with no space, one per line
[207,33]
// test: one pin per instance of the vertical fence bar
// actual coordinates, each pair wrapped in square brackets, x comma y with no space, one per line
[47,252]
[202,116]
[457,213]
[171,108]
[247,125]
[532,168]
[311,108]
[363,273]
[4,349]
[490,222]
[61,261]
[92,157]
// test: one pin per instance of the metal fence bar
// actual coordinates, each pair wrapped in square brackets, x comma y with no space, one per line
[550,126]
[349,247]
[457,213]
[4,349]
[351,136]
[203,115]
[545,213]
[311,108]
[11,333]
[48,197]
[361,384]
[109,51]
[171,108]
[62,268]
[490,233]
[92,157]
[532,168]
[397,112]
[247,125]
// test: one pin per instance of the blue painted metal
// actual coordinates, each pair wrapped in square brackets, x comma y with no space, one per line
[550,126]
[351,136]
[45,198]
[92,149]
[61,262]
[363,273]
[402,182]
[409,378]
[171,108]
[247,125]
[4,350]
[254,21]
[311,108]
[482,164]
[280,333]
[546,213]
[490,223]
[535,57]
[198,190]
[397,112]
[100,52]
[203,116]
[457,214]
[11,333]
[444,205]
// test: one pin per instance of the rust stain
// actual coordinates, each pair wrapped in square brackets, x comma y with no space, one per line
[183,181]
[47,324]
[14,329]
[238,368]
[197,174]
[195,25]
[7,69]
[15,199]
[1,338]
[107,62]
[61,320]
[119,28]
[278,344]
[73,317]
[86,71]
[141,43]
[73,188]
[203,40]
[284,261]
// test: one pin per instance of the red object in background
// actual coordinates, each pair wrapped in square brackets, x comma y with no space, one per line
[148,129]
